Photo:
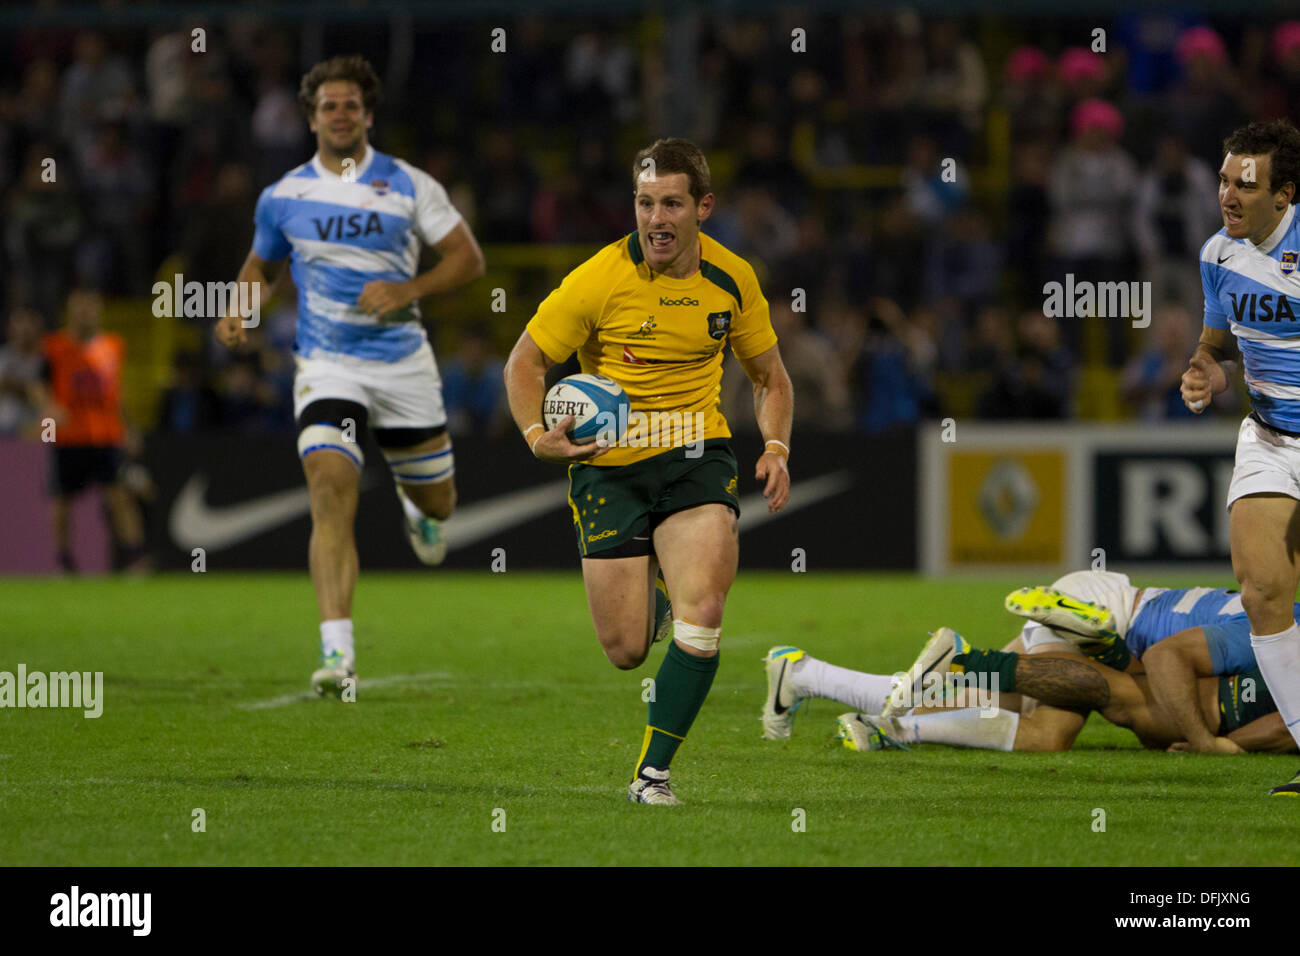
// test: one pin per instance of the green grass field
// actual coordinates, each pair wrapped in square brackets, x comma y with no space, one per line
[483,693]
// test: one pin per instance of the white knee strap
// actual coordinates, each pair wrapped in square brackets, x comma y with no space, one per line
[692,635]
[421,468]
[326,437]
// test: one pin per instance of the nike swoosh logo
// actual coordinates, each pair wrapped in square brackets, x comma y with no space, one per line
[472,523]
[1224,259]
[776,700]
[753,508]
[932,667]
[194,524]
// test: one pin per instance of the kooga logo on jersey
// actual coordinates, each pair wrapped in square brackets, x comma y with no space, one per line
[681,301]
[347,227]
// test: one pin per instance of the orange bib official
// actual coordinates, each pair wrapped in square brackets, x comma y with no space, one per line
[86,379]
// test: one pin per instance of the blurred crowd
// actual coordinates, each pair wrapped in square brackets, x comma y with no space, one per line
[905,188]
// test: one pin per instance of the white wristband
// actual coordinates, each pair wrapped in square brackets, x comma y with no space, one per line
[533,447]
[773,441]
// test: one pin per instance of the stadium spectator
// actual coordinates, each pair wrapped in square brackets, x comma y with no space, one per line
[896,368]
[1206,107]
[117,189]
[220,226]
[1092,188]
[935,186]
[189,403]
[1281,95]
[82,392]
[278,137]
[1176,210]
[1084,75]
[586,204]
[531,89]
[600,77]
[898,75]
[1150,39]
[444,163]
[43,224]
[21,360]
[247,400]
[756,227]
[992,342]
[169,79]
[97,85]
[1035,383]
[35,115]
[964,260]
[1029,216]
[819,376]
[952,93]
[505,186]
[765,162]
[898,244]
[1031,97]
[1153,378]
[473,389]
[751,88]
[219,135]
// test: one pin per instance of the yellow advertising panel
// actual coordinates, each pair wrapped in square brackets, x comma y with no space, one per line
[1006,507]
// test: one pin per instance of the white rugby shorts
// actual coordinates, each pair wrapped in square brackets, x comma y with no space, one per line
[1110,589]
[402,394]
[1266,461]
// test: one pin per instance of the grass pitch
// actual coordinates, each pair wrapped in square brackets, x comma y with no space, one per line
[489,729]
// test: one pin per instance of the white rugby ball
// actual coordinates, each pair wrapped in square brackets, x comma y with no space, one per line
[599,406]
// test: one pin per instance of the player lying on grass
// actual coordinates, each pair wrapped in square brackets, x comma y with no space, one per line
[1046,687]
[1044,699]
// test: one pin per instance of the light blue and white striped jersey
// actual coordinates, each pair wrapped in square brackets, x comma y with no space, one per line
[1255,291]
[1217,610]
[343,234]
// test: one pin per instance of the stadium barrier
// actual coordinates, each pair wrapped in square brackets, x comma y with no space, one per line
[1004,498]
[1046,498]
[241,500]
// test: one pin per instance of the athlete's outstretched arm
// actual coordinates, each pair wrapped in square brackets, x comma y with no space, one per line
[460,260]
[230,329]
[774,411]
[1173,667]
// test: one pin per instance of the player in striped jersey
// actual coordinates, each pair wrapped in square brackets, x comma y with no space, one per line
[1252,295]
[351,222]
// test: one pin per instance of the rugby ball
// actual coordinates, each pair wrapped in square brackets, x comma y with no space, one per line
[599,406]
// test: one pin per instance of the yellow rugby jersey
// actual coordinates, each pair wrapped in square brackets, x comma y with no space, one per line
[660,338]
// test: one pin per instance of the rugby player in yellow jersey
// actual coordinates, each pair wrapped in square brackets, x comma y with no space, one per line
[653,311]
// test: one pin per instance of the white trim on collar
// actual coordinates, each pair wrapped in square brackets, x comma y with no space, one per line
[1269,244]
